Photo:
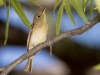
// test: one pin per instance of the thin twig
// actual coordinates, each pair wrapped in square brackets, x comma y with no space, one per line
[49,42]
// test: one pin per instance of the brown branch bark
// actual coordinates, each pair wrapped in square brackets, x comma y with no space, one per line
[1,69]
[51,41]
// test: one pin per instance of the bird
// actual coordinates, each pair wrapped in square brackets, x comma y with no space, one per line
[37,34]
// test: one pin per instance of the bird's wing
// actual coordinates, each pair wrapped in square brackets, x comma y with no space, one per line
[29,36]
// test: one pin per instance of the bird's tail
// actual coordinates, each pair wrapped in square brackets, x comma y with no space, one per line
[28,67]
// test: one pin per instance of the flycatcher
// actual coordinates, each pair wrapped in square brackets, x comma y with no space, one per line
[36,35]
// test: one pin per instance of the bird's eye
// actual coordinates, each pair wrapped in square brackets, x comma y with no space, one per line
[38,16]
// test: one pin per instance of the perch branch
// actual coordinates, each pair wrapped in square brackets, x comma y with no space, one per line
[51,41]
[1,69]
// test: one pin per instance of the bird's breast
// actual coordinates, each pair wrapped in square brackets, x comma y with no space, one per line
[39,35]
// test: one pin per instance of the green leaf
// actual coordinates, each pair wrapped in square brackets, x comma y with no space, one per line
[78,7]
[68,11]
[2,2]
[91,11]
[7,24]
[97,67]
[34,2]
[17,7]
[59,17]
[56,4]
[85,4]
[97,2]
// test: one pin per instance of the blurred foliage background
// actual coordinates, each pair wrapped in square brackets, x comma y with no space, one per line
[75,55]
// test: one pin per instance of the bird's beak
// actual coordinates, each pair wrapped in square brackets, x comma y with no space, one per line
[44,9]
[43,12]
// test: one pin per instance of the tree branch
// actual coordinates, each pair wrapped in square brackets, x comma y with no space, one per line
[49,42]
[1,69]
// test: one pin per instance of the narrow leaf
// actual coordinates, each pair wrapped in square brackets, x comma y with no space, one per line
[85,4]
[59,17]
[17,7]
[95,8]
[56,4]
[2,2]
[68,11]
[78,7]
[97,2]
[7,24]
[34,2]
[91,11]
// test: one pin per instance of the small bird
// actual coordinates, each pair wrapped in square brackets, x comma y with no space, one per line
[37,34]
